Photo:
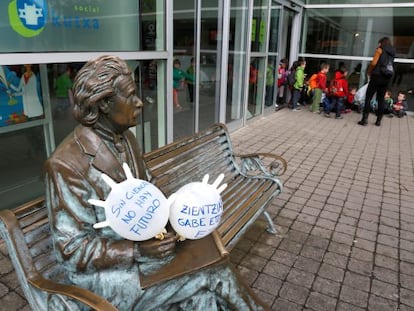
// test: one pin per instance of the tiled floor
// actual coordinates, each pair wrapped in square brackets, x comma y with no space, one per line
[345,217]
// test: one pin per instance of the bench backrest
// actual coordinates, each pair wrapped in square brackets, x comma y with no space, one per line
[210,152]
[189,159]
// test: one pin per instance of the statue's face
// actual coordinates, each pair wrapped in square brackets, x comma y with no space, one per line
[125,105]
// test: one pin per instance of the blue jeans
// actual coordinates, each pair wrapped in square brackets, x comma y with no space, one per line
[337,103]
[295,98]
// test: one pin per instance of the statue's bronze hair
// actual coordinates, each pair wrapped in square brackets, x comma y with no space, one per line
[96,81]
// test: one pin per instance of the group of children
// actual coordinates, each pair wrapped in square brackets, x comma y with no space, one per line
[335,96]
[392,107]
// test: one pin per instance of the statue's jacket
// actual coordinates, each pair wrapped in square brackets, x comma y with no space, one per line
[97,259]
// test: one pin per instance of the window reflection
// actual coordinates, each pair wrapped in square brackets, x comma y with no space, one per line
[60,82]
[258,34]
[356,32]
[150,88]
[256,81]
[237,70]
[402,80]
[21,162]
[152,32]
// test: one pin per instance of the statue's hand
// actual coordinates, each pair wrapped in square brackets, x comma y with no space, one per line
[158,248]
[161,235]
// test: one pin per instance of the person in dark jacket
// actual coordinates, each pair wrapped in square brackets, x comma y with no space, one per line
[378,82]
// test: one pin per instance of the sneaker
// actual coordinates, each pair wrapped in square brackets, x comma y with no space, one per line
[296,109]
[339,117]
[328,115]
[390,116]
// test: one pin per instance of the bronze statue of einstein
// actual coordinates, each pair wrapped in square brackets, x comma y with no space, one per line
[106,106]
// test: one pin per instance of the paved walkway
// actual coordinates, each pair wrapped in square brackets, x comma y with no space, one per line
[345,218]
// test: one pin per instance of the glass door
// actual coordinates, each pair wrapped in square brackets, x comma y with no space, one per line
[258,50]
[211,23]
[237,55]
[283,49]
[274,58]
[185,62]
[197,58]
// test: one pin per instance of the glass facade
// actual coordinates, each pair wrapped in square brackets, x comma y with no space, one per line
[348,36]
[35,110]
[352,32]
[229,52]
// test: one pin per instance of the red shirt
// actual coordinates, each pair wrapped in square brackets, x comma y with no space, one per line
[322,80]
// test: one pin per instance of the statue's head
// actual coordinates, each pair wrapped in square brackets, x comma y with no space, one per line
[104,89]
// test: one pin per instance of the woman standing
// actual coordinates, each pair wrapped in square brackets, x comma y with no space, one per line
[380,72]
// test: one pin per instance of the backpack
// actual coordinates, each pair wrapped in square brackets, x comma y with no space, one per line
[291,78]
[386,65]
[336,88]
[313,81]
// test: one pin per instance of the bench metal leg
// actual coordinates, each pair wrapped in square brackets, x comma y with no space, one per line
[270,225]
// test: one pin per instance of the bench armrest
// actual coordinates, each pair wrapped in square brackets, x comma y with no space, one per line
[77,293]
[268,164]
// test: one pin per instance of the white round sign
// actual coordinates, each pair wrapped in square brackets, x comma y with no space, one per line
[196,210]
[135,209]
[138,210]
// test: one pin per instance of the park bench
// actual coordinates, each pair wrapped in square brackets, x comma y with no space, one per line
[252,178]
[252,183]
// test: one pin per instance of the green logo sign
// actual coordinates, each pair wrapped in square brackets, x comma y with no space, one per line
[28,17]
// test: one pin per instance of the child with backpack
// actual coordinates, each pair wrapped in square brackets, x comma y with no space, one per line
[298,85]
[288,86]
[339,92]
[317,83]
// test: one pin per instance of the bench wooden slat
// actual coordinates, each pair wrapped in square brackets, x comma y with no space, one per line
[234,209]
[39,214]
[178,157]
[42,245]
[29,207]
[44,262]
[231,237]
[168,183]
[54,272]
[35,229]
[183,167]
[162,155]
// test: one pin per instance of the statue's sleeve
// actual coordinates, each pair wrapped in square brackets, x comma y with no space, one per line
[78,244]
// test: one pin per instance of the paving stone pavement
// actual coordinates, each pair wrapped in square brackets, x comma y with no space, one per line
[345,217]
